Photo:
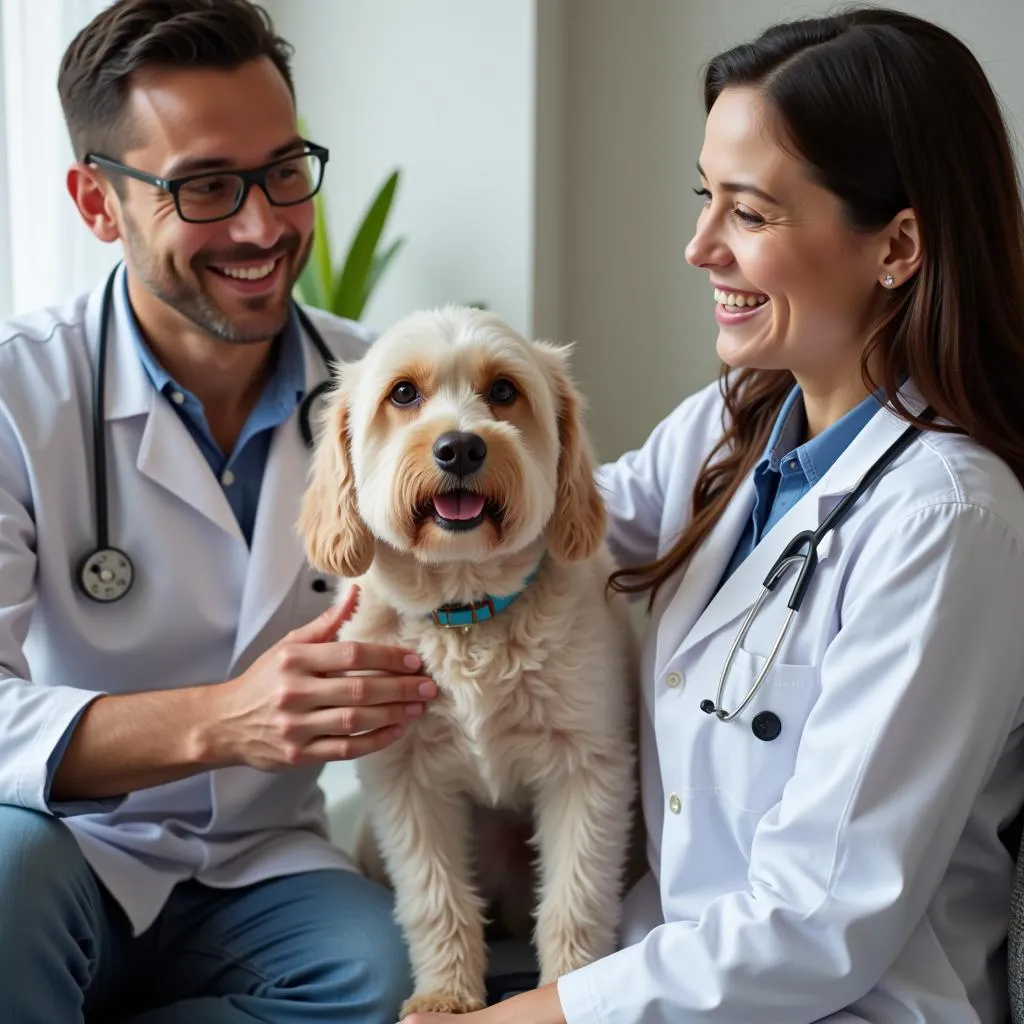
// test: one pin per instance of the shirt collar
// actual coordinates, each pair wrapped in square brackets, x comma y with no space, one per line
[284,388]
[816,456]
[288,382]
[160,378]
[788,429]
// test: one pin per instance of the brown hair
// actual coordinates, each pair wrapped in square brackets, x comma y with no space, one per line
[131,34]
[890,112]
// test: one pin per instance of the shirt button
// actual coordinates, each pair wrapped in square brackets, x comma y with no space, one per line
[177,397]
[227,478]
[673,679]
[792,463]
[675,805]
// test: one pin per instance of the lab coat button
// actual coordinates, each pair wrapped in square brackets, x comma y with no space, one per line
[675,805]
[766,725]
[673,679]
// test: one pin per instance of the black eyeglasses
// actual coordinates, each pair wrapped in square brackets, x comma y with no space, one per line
[217,195]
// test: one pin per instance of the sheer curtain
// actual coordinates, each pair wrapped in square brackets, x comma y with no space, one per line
[46,252]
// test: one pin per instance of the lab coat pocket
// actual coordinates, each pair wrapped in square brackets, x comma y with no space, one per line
[753,756]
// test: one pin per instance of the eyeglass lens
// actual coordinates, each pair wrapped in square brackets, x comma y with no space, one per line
[213,196]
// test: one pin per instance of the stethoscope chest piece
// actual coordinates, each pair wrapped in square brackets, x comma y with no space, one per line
[106,574]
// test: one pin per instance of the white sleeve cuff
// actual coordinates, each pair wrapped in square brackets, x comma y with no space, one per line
[69,808]
[36,723]
[578,1002]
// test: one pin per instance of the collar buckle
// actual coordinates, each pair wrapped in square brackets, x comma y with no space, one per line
[453,616]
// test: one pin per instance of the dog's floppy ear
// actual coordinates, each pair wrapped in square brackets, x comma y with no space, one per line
[336,538]
[578,524]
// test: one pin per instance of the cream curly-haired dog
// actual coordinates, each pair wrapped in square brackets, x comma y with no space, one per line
[452,477]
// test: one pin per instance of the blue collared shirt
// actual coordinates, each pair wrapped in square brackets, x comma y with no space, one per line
[240,472]
[788,469]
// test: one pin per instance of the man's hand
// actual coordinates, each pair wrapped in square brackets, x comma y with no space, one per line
[312,698]
[307,700]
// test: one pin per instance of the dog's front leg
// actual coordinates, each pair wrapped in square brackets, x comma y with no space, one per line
[583,828]
[423,836]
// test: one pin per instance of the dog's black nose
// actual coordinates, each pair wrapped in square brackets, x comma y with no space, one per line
[459,453]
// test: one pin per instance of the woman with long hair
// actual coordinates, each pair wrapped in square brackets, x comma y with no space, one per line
[831,542]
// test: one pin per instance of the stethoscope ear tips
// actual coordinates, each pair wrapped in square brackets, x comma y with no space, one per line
[707,706]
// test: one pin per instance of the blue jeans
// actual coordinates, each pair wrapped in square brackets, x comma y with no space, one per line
[319,946]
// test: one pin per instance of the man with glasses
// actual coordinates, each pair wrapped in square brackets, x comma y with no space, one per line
[163,851]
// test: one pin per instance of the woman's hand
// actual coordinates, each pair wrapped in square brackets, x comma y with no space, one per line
[541,1006]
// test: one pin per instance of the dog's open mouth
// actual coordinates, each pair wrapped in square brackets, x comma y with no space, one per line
[460,510]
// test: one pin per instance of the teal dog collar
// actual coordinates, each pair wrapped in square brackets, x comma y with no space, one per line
[462,616]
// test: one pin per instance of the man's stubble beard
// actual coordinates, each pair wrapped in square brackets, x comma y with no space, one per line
[191,302]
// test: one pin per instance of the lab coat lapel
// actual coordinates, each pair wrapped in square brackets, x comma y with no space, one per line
[169,456]
[167,453]
[277,554]
[703,573]
[688,619]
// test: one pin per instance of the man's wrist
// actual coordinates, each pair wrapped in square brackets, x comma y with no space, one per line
[207,743]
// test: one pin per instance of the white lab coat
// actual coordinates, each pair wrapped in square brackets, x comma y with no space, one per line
[849,870]
[202,608]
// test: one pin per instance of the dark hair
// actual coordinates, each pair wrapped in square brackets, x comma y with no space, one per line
[891,113]
[132,34]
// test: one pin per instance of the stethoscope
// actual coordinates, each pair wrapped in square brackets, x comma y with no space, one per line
[803,548]
[106,573]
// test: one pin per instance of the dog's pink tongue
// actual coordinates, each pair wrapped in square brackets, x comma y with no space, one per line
[459,506]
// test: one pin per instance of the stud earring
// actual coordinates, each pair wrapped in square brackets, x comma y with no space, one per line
[888,280]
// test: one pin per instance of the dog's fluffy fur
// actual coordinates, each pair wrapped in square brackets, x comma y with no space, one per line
[533,714]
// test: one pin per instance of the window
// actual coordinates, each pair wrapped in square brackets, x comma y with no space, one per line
[46,252]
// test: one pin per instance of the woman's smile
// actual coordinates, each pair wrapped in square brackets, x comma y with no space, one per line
[733,306]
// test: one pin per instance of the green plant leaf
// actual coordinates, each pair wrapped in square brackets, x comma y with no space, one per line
[350,291]
[321,254]
[315,283]
[380,263]
[347,291]
[307,289]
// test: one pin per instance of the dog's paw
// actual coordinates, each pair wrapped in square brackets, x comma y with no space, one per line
[440,1002]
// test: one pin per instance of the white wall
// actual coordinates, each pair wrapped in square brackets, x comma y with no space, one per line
[46,252]
[445,92]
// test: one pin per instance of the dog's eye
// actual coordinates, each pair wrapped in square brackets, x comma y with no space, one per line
[503,392]
[404,393]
